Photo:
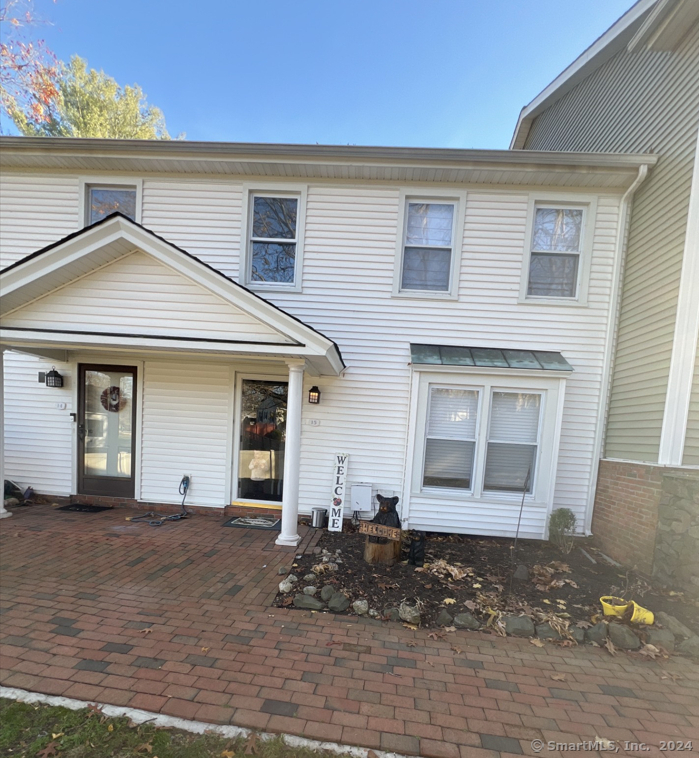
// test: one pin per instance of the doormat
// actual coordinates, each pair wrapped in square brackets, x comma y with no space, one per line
[255,522]
[80,508]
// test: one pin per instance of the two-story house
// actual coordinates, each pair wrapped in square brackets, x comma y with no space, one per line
[636,90]
[443,317]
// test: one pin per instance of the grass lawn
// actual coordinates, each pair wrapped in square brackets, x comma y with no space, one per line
[53,732]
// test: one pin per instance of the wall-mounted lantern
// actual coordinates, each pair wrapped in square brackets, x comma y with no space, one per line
[53,378]
[314,396]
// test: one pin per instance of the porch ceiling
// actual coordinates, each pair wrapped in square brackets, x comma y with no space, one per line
[117,286]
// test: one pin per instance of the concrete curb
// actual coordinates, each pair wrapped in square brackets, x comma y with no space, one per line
[195,727]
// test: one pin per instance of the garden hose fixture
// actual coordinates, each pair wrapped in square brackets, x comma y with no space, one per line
[158,519]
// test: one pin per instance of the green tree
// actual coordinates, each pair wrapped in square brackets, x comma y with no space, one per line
[92,104]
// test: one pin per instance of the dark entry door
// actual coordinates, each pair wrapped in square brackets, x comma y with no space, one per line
[106,430]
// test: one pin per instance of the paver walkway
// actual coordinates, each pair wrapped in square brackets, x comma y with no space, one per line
[177,619]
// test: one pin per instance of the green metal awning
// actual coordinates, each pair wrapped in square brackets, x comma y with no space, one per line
[488,357]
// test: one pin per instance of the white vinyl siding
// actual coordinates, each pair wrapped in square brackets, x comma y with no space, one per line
[38,434]
[136,293]
[645,101]
[349,274]
[186,430]
[35,211]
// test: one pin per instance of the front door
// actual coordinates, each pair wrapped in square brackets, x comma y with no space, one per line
[106,430]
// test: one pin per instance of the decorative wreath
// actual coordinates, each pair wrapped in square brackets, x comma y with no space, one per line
[112,400]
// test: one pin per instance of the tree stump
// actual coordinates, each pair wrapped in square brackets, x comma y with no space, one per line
[382,551]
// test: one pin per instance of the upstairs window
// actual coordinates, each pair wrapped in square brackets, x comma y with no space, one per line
[273,240]
[556,246]
[103,200]
[428,246]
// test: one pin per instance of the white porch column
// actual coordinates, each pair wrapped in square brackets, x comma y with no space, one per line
[3,512]
[292,456]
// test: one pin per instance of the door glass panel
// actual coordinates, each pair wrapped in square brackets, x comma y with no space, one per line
[108,418]
[262,440]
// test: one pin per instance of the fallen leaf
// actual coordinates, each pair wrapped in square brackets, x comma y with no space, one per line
[477,586]
[411,644]
[449,601]
[48,751]
[548,602]
[110,728]
[251,745]
[583,624]
[146,631]
[328,644]
[449,628]
[457,650]
[610,647]
[429,663]
[371,754]
[56,736]
[436,636]
[536,642]
[94,710]
[409,626]
[227,754]
[558,677]
[205,649]
[146,747]
[671,675]
[650,651]
[470,605]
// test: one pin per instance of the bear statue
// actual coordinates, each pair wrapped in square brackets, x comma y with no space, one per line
[387,515]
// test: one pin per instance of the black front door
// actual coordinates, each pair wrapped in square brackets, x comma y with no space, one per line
[106,430]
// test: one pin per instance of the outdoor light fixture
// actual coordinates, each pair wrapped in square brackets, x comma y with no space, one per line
[53,378]
[314,396]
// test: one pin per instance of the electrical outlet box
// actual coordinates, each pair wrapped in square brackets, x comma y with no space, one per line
[361,498]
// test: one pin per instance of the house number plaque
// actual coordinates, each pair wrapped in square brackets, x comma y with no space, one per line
[340,461]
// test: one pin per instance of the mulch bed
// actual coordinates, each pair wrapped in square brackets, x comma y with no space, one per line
[569,585]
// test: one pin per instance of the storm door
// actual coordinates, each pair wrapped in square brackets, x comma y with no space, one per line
[106,430]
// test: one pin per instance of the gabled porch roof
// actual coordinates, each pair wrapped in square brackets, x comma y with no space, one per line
[67,296]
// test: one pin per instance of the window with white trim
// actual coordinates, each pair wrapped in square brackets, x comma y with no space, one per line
[273,239]
[450,443]
[513,440]
[555,253]
[103,200]
[428,246]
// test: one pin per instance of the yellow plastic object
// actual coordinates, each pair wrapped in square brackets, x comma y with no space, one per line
[613,606]
[616,606]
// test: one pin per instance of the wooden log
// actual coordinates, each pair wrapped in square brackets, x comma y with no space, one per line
[386,555]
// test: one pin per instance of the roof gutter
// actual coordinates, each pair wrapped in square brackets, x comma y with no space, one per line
[622,234]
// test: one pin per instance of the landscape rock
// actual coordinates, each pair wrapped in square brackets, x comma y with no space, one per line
[521,573]
[286,585]
[674,625]
[577,634]
[409,613]
[338,603]
[309,578]
[391,614]
[282,570]
[310,590]
[316,551]
[327,592]
[374,613]
[519,626]
[360,607]
[597,633]
[466,621]
[10,502]
[690,647]
[623,638]
[444,618]
[547,632]
[661,638]
[308,602]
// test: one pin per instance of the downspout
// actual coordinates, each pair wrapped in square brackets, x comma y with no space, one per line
[611,338]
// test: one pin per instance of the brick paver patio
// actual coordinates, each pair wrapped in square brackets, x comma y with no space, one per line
[177,619]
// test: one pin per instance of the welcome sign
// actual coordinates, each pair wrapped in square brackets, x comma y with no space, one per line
[340,461]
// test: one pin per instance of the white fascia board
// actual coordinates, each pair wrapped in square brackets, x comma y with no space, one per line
[610,43]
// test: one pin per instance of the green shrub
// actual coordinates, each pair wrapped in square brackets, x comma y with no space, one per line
[562,528]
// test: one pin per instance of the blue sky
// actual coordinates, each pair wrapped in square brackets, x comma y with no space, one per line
[435,73]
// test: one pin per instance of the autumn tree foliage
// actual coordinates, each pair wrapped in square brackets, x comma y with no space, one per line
[28,69]
[91,104]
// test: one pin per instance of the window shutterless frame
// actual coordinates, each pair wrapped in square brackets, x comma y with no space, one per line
[428,436]
[87,183]
[587,205]
[250,192]
[430,197]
